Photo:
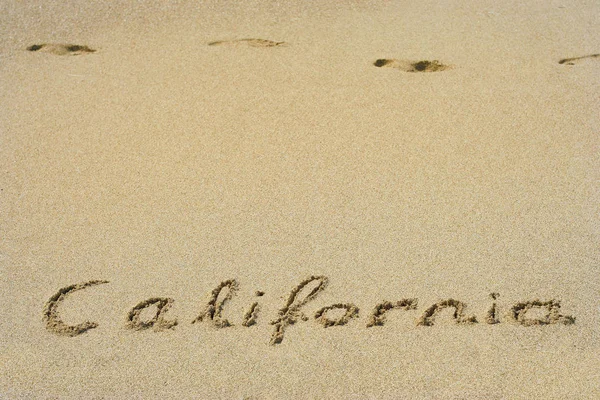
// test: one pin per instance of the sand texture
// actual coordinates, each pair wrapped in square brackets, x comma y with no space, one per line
[300,200]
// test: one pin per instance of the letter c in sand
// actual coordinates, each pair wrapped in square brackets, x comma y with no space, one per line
[53,322]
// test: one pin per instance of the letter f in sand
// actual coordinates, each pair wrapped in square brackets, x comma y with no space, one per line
[290,313]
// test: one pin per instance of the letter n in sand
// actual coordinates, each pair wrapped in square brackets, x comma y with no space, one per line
[429,315]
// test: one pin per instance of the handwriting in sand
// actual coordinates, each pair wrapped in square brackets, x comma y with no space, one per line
[548,312]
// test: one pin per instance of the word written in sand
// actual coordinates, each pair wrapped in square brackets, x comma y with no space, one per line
[339,314]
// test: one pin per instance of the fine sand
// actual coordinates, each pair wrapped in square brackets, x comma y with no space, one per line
[300,200]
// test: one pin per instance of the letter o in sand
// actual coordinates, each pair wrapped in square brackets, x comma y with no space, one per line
[351,312]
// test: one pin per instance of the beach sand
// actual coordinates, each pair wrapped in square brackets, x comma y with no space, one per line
[415,153]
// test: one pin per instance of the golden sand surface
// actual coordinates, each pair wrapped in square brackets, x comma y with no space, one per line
[300,200]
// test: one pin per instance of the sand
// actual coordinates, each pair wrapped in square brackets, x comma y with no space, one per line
[296,200]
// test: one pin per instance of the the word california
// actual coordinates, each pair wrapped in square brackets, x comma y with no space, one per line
[548,312]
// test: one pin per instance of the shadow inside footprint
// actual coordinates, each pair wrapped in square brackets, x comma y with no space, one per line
[248,42]
[61,49]
[574,60]
[411,66]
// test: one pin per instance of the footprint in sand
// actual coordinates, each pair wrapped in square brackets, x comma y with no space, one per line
[248,42]
[61,49]
[574,60]
[411,66]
